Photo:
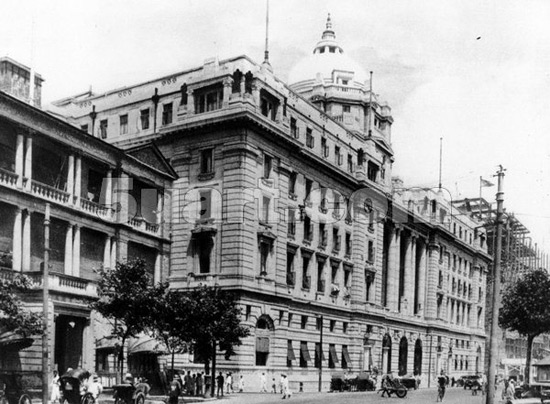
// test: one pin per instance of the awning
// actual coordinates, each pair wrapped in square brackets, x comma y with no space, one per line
[144,344]
[332,353]
[262,344]
[14,341]
[319,351]
[290,352]
[304,352]
[345,355]
[108,343]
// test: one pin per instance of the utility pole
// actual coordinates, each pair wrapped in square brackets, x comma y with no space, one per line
[45,302]
[321,353]
[493,343]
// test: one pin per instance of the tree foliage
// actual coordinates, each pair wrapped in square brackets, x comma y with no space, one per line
[128,297]
[13,317]
[526,307]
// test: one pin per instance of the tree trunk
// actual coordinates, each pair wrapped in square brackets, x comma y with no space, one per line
[212,390]
[530,339]
[172,370]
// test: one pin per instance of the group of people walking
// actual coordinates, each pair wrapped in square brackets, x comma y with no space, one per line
[284,388]
[190,385]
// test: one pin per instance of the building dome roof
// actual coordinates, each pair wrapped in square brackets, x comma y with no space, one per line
[327,57]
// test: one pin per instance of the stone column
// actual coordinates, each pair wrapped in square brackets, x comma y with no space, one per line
[422,271]
[26,259]
[77,179]
[432,278]
[76,251]
[393,269]
[157,273]
[28,162]
[70,177]
[19,152]
[256,94]
[69,250]
[190,102]
[109,188]
[17,240]
[124,184]
[114,242]
[242,88]
[410,275]
[227,86]
[107,252]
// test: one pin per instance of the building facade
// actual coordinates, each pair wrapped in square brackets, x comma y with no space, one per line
[284,194]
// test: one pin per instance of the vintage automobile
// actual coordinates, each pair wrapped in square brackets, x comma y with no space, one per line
[73,387]
[11,389]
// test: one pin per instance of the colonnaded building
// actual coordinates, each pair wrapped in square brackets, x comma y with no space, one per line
[280,192]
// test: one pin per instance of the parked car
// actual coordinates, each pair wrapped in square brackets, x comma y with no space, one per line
[469,381]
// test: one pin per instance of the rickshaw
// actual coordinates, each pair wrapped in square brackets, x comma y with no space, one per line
[128,393]
[73,386]
[11,390]
[391,385]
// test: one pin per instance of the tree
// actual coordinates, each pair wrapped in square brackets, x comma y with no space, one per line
[12,316]
[171,323]
[215,316]
[128,297]
[526,308]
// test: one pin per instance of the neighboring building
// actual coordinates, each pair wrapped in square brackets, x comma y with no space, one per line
[285,196]
[519,256]
[15,79]
[91,187]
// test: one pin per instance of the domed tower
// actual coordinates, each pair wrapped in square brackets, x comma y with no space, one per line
[340,87]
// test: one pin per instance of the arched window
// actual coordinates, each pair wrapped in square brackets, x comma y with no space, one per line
[237,78]
[403,353]
[264,329]
[417,358]
[386,354]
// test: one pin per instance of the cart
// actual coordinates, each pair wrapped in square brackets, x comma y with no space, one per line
[393,386]
[11,389]
[73,387]
[129,394]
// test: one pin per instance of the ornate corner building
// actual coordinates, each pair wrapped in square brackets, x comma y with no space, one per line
[284,194]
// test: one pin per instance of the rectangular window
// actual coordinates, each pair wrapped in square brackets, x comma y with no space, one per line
[167,114]
[306,279]
[346,108]
[332,325]
[319,356]
[310,140]
[337,155]
[268,161]
[348,244]
[294,131]
[309,185]
[262,351]
[208,98]
[290,356]
[206,162]
[350,163]
[124,124]
[320,276]
[335,239]
[84,128]
[203,245]
[322,235]
[308,229]
[290,274]
[268,105]
[303,322]
[304,354]
[346,360]
[264,255]
[372,171]
[205,207]
[332,357]
[347,273]
[144,118]
[370,252]
[324,147]
[103,129]
[265,209]
[292,221]
[292,183]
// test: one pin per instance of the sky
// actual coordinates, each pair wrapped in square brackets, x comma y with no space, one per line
[475,74]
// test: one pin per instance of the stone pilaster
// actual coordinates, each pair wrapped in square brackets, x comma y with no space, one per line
[432,279]
[68,266]
[19,158]
[107,252]
[28,161]
[17,240]
[410,276]
[422,273]
[393,269]
[70,177]
[76,250]
[26,259]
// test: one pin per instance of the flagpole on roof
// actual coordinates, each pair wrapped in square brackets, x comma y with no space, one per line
[440,159]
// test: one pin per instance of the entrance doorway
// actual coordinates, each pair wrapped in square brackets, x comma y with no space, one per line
[68,342]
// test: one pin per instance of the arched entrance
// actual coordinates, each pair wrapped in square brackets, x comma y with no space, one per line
[403,353]
[264,329]
[417,370]
[386,354]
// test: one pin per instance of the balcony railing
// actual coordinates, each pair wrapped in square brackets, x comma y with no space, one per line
[142,224]
[57,282]
[49,192]
[96,209]
[8,178]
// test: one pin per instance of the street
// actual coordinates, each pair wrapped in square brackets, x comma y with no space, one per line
[453,396]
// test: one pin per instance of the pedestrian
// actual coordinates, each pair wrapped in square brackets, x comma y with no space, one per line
[219,384]
[286,388]
[263,383]
[281,383]
[386,384]
[192,384]
[175,391]
[187,381]
[273,386]
[55,396]
[95,387]
[229,383]
[241,384]
[199,382]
